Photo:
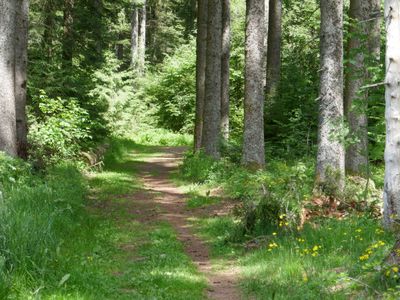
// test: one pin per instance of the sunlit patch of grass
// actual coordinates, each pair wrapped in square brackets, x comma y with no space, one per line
[322,261]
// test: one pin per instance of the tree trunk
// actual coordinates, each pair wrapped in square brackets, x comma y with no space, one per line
[274,48]
[142,37]
[212,101]
[226,44]
[68,42]
[49,26]
[21,65]
[392,152]
[331,153]
[253,136]
[134,36]
[119,48]
[200,71]
[356,100]
[8,130]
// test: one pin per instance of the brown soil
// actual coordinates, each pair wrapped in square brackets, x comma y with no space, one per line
[160,191]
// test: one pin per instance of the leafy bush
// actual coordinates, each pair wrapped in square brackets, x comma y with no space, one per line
[59,128]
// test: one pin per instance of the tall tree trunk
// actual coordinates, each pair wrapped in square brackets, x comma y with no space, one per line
[119,47]
[202,8]
[226,45]
[98,30]
[134,36]
[331,153]
[374,37]
[391,194]
[21,65]
[212,101]
[8,130]
[49,26]
[142,37]
[274,48]
[253,143]
[68,41]
[356,100]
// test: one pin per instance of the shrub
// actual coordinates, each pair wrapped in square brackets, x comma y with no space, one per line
[59,129]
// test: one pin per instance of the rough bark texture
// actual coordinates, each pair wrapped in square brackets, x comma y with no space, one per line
[48,28]
[392,152]
[253,143]
[356,100]
[331,153]
[142,37]
[212,100]
[226,44]
[68,41]
[274,48]
[134,36]
[200,70]
[8,131]
[21,64]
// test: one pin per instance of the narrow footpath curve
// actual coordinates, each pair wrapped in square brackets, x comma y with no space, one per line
[155,172]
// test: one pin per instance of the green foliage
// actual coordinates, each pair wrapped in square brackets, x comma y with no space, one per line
[59,129]
[38,215]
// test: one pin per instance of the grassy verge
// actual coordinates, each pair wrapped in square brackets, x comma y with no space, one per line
[329,258]
[65,236]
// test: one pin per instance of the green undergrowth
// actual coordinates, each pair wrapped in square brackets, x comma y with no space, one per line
[332,257]
[68,236]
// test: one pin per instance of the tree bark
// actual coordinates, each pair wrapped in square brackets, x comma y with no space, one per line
[134,36]
[48,11]
[21,66]
[68,41]
[212,100]
[274,48]
[142,37]
[331,153]
[202,8]
[226,44]
[392,152]
[253,139]
[8,130]
[356,100]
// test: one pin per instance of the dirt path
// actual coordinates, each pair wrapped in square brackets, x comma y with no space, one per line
[155,172]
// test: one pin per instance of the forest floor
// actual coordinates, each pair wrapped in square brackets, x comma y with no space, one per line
[183,270]
[151,234]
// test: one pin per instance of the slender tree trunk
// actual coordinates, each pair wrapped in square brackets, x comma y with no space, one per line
[253,143]
[8,130]
[374,36]
[212,102]
[68,42]
[119,48]
[21,65]
[391,194]
[142,37]
[274,48]
[226,45]
[98,30]
[331,153]
[134,36]
[48,11]
[356,100]
[202,8]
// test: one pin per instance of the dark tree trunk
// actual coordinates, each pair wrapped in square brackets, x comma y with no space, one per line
[253,139]
[68,42]
[274,48]
[21,64]
[212,103]
[226,44]
[200,71]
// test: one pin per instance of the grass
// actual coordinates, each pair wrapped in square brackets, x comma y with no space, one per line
[330,258]
[101,249]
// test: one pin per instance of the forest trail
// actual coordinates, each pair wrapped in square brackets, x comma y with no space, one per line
[155,172]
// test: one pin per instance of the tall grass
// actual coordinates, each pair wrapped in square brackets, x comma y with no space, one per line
[37,213]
